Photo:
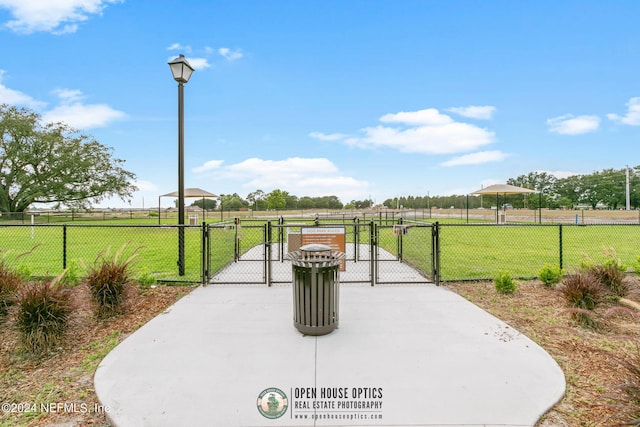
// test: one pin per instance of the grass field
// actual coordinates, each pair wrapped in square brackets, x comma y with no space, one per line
[467,252]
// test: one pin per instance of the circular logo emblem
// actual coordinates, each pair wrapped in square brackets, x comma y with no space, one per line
[272,403]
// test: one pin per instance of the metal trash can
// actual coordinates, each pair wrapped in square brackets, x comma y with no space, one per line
[316,291]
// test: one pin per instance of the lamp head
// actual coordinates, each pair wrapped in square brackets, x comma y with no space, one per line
[181,69]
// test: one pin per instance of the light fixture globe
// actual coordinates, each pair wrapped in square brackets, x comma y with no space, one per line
[181,69]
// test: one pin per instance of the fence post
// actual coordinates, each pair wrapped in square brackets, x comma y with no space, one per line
[372,251]
[267,252]
[281,238]
[560,246]
[205,254]
[399,256]
[435,253]
[236,249]
[64,246]
[356,239]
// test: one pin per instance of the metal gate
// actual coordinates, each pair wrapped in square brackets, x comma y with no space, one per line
[254,252]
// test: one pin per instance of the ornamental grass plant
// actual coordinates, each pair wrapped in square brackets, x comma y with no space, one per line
[108,279]
[42,315]
[10,281]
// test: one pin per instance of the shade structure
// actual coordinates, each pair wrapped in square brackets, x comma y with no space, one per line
[191,192]
[503,189]
[188,193]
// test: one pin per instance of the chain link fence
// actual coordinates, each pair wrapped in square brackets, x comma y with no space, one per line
[47,250]
[378,251]
[478,252]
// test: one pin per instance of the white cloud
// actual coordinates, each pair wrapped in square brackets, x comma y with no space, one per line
[428,117]
[69,95]
[299,176]
[230,55]
[71,110]
[328,136]
[55,16]
[425,131]
[15,97]
[476,158]
[202,62]
[480,112]
[207,166]
[181,48]
[78,115]
[633,113]
[199,63]
[196,63]
[570,125]
[289,169]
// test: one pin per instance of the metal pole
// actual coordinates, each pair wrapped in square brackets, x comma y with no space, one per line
[64,247]
[627,193]
[180,179]
[540,207]
[560,245]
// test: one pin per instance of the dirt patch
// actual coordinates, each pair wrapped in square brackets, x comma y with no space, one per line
[57,389]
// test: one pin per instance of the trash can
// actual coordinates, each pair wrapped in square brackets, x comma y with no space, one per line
[316,292]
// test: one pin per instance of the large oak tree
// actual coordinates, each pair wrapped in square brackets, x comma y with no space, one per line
[52,163]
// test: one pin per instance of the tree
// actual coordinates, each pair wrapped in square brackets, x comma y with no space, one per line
[256,198]
[52,163]
[306,202]
[206,204]
[291,201]
[542,182]
[233,202]
[276,199]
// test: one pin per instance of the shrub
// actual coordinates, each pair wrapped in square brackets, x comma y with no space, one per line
[71,277]
[10,281]
[23,271]
[107,280]
[43,313]
[611,274]
[611,278]
[550,275]
[504,283]
[146,278]
[583,292]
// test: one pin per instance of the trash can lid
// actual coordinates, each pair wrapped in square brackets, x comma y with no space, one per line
[315,247]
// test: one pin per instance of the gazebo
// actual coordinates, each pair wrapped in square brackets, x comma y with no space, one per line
[189,193]
[503,189]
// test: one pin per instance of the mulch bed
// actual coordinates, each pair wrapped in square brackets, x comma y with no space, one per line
[589,358]
[59,384]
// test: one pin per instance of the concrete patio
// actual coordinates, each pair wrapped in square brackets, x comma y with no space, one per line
[404,355]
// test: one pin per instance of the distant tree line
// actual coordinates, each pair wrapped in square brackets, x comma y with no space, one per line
[601,189]
[275,200]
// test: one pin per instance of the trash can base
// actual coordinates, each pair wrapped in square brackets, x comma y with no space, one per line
[315,330]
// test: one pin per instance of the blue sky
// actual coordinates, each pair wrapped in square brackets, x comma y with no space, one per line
[354,98]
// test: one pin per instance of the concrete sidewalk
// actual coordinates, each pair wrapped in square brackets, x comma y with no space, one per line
[408,355]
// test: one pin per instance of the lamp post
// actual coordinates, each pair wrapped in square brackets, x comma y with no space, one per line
[181,70]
